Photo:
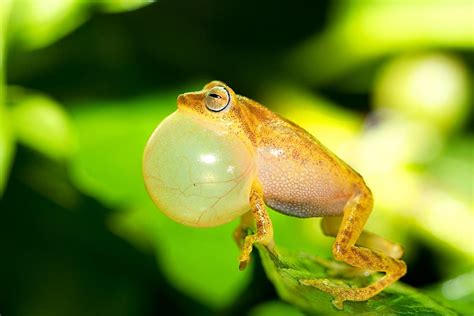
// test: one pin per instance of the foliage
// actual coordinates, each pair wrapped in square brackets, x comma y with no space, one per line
[39,120]
[457,292]
[385,86]
[286,269]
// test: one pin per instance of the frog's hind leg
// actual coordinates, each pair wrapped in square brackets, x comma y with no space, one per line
[356,212]
[330,227]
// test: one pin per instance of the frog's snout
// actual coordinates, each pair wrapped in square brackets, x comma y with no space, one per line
[181,99]
[189,99]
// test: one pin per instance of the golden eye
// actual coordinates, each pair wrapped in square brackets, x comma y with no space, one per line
[217,99]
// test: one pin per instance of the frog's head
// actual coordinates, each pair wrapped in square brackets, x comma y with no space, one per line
[216,101]
[198,166]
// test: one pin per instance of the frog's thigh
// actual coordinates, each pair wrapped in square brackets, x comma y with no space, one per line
[330,227]
[356,212]
[264,234]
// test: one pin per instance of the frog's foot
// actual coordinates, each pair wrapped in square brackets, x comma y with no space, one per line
[327,286]
[342,292]
[243,263]
[247,247]
[246,251]
[339,291]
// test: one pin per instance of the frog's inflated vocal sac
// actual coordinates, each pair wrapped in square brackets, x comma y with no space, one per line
[222,155]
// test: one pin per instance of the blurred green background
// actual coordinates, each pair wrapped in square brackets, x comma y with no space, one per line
[387,85]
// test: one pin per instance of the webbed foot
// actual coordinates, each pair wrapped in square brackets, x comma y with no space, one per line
[338,290]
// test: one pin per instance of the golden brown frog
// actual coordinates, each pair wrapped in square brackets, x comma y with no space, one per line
[222,155]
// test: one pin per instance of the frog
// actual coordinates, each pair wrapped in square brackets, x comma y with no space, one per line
[222,156]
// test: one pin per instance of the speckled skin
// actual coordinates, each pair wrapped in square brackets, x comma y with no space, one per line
[298,176]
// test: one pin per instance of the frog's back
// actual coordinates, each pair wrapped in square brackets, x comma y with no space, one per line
[300,177]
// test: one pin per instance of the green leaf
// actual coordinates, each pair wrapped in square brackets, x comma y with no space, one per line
[38,23]
[275,308]
[199,262]
[123,5]
[432,88]
[362,31]
[457,292]
[35,23]
[41,123]
[7,146]
[112,137]
[287,269]
[6,135]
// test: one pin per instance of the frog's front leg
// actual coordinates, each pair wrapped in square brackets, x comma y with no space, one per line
[241,231]
[264,233]
[355,215]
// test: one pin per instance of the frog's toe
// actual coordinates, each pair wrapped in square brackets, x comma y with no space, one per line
[336,290]
[244,263]
[244,259]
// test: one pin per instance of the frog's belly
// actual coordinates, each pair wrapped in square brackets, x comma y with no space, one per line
[304,187]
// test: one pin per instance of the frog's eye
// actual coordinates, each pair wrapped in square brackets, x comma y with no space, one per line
[217,99]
